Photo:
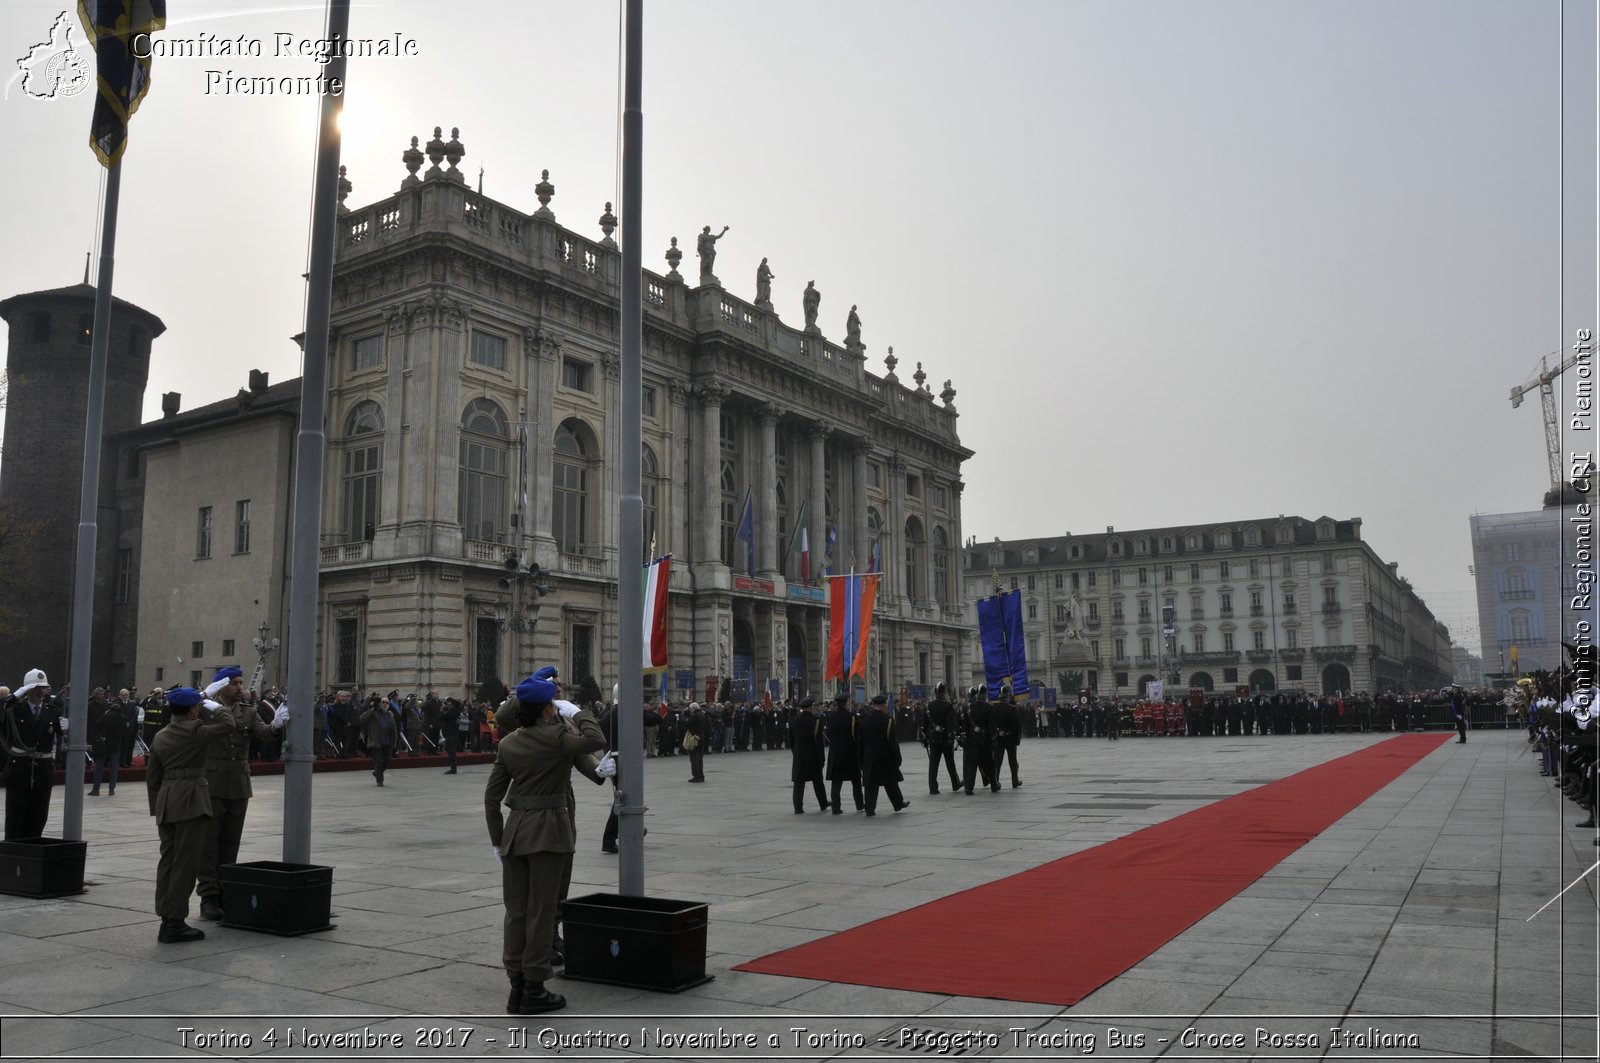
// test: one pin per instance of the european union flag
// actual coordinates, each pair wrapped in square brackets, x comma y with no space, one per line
[118,30]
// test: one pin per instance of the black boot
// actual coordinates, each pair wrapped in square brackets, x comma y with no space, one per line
[177,932]
[514,1001]
[536,999]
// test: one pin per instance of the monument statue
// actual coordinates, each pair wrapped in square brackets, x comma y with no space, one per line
[812,300]
[1074,617]
[763,284]
[852,328]
[706,246]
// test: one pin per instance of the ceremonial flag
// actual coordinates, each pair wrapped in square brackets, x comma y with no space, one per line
[875,555]
[801,542]
[747,535]
[123,77]
[850,601]
[655,614]
[1000,635]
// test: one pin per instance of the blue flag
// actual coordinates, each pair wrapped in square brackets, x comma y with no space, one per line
[123,68]
[1000,635]
[747,535]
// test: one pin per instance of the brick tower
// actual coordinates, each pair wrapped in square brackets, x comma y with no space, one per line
[41,466]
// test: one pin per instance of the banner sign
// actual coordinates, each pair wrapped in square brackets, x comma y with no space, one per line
[749,583]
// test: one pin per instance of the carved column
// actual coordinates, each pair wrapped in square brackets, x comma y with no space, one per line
[894,561]
[860,537]
[766,529]
[542,349]
[817,506]
[611,480]
[425,417]
[394,344]
[711,396]
[450,339]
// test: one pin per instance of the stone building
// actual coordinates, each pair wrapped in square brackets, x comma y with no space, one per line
[472,425]
[1280,603]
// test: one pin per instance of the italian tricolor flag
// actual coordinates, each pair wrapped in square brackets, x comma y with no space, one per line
[655,614]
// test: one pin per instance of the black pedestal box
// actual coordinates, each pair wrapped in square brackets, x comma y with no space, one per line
[276,898]
[643,942]
[42,867]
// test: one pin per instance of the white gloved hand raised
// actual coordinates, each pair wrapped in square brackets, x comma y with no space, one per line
[567,709]
[280,717]
[607,766]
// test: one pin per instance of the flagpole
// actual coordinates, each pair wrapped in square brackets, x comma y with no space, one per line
[630,540]
[88,523]
[310,451]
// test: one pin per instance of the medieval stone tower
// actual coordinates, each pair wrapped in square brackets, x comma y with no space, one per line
[41,466]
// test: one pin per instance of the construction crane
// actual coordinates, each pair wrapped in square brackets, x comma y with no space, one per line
[1547,399]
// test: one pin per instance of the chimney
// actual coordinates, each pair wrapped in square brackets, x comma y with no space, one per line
[258,381]
[1109,529]
[171,401]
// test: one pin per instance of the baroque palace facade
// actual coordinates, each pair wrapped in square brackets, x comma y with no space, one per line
[472,429]
[1272,604]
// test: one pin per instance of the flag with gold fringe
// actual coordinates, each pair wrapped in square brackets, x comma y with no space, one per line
[119,33]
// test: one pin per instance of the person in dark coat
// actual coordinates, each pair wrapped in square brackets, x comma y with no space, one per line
[1006,734]
[939,736]
[880,756]
[694,723]
[449,719]
[107,736]
[806,746]
[844,763]
[31,723]
[975,739]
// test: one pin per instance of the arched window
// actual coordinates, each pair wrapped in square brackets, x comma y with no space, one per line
[650,494]
[481,501]
[916,550]
[941,566]
[363,472]
[575,455]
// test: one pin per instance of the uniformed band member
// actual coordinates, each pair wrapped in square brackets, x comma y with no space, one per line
[228,772]
[975,749]
[844,761]
[532,773]
[806,751]
[880,756]
[31,723]
[180,799]
[1006,733]
[939,735]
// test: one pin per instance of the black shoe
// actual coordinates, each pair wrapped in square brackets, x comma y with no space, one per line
[1586,824]
[1015,783]
[967,792]
[111,792]
[558,957]
[933,793]
[903,806]
[610,850]
[870,812]
[995,788]
[380,780]
[177,933]
[537,999]
[210,910]
[452,771]
[838,811]
[799,811]
[95,792]
[514,1001]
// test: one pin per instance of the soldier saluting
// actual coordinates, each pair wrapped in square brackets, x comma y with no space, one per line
[180,799]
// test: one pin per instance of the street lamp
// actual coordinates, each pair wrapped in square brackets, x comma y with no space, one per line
[263,646]
[523,618]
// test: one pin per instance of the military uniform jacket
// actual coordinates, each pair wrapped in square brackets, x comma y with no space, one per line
[805,747]
[843,760]
[176,779]
[880,750]
[1003,721]
[533,768]
[228,757]
[978,725]
[27,737]
[940,725]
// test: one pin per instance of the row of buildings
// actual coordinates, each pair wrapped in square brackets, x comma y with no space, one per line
[468,519]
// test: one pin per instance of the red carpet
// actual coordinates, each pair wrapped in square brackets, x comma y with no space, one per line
[1054,934]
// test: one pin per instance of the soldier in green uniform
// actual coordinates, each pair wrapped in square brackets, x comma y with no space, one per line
[228,772]
[180,799]
[532,774]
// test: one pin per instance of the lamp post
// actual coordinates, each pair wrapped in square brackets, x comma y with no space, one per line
[524,618]
[264,646]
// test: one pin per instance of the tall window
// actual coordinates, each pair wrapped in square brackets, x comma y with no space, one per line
[941,566]
[485,348]
[730,511]
[485,650]
[1144,645]
[202,539]
[1199,642]
[569,504]
[1224,569]
[650,493]
[363,472]
[1120,650]
[1227,601]
[347,652]
[1258,640]
[1227,641]
[241,526]
[1116,610]
[481,494]
[368,352]
[1291,638]
[916,548]
[124,575]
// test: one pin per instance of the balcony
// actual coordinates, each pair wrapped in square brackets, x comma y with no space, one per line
[1330,608]
[482,550]
[1226,614]
[1258,656]
[1324,653]
[1518,596]
[1293,654]
[581,565]
[346,554]
[1290,607]
[1212,657]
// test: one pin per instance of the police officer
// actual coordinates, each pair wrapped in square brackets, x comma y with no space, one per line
[939,736]
[1007,733]
[880,756]
[844,762]
[976,750]
[806,746]
[32,720]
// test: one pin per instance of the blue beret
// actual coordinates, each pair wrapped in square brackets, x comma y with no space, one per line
[547,672]
[536,691]
[184,697]
[230,672]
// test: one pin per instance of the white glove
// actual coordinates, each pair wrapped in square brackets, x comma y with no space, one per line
[567,709]
[141,710]
[607,766]
[497,858]
[210,706]
[280,717]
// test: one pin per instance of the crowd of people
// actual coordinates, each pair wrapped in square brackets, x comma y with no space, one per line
[1560,710]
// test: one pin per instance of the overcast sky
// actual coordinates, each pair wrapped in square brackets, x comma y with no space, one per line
[1183,262]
